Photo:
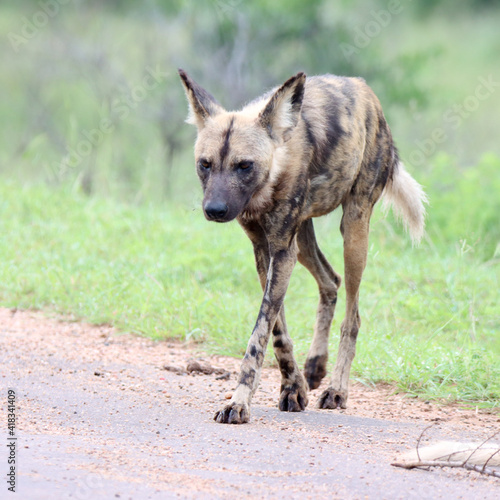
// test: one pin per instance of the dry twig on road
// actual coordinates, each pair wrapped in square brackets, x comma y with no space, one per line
[482,457]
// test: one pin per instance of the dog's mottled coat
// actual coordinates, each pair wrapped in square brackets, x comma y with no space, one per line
[296,153]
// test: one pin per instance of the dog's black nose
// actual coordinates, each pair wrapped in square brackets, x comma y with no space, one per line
[216,210]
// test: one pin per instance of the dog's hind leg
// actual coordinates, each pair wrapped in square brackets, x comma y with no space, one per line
[311,257]
[293,390]
[354,228]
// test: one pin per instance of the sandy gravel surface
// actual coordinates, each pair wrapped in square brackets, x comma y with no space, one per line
[103,415]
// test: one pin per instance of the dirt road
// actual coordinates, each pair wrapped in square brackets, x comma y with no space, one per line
[99,417]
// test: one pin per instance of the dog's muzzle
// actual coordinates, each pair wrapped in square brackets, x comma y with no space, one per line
[216,210]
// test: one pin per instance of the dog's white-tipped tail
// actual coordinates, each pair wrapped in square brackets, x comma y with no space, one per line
[450,451]
[407,199]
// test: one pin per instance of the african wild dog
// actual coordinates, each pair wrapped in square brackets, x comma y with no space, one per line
[296,153]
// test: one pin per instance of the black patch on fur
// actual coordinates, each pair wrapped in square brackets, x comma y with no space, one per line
[383,173]
[334,132]
[329,298]
[395,161]
[368,123]
[286,366]
[286,229]
[349,92]
[354,331]
[296,200]
[315,370]
[278,344]
[204,102]
[291,388]
[225,146]
[281,254]
[264,310]
[309,133]
[383,166]
[247,378]
[297,96]
[253,351]
[277,332]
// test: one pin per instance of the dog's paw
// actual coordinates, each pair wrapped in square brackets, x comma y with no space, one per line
[332,399]
[293,397]
[233,413]
[315,370]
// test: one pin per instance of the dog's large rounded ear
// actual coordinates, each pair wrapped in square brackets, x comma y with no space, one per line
[202,104]
[282,111]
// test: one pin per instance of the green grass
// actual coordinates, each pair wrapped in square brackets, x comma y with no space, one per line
[430,315]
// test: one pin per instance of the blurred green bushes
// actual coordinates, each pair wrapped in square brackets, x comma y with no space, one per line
[92,97]
[465,205]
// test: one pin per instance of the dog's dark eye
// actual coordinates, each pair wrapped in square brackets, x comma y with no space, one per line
[244,165]
[204,164]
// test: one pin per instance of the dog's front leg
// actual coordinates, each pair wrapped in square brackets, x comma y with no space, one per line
[282,262]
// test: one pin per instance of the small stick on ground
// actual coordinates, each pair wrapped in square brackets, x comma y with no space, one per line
[469,456]
[488,471]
